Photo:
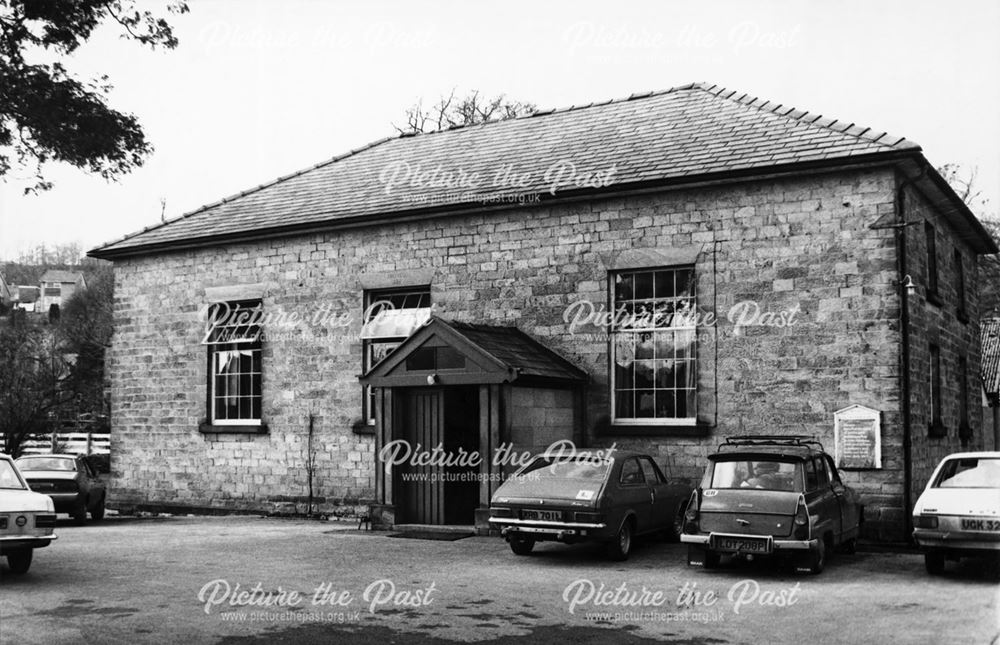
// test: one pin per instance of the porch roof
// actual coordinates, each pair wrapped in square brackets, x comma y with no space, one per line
[493,354]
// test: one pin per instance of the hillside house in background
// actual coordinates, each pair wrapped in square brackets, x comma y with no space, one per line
[58,286]
[697,263]
[26,297]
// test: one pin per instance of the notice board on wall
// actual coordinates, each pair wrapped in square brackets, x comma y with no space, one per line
[857,433]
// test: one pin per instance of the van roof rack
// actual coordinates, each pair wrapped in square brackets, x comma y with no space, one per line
[795,440]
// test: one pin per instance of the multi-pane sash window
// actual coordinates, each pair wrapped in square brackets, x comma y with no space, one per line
[653,341]
[234,358]
[390,316]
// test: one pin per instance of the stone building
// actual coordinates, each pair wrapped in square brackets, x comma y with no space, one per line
[657,272]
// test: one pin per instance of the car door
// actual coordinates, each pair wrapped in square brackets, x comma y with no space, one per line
[90,484]
[635,494]
[846,500]
[821,499]
[662,506]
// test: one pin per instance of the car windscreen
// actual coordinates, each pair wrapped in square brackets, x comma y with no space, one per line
[8,477]
[969,472]
[587,468]
[756,473]
[27,464]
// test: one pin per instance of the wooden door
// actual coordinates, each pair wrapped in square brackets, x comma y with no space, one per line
[423,427]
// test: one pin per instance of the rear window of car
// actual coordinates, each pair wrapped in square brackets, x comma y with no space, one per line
[969,472]
[763,474]
[45,463]
[583,468]
[8,477]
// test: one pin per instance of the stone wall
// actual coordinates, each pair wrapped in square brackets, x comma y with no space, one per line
[539,418]
[802,247]
[938,321]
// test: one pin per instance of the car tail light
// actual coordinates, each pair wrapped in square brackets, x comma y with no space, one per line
[801,531]
[925,521]
[45,521]
[500,511]
[691,515]
[588,518]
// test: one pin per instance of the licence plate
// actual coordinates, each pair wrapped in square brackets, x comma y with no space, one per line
[968,524]
[548,516]
[740,544]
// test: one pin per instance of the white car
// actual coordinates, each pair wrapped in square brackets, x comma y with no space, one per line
[27,519]
[958,513]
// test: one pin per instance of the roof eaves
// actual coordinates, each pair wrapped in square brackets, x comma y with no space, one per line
[249,191]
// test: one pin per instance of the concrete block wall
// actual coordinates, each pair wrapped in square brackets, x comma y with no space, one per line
[800,243]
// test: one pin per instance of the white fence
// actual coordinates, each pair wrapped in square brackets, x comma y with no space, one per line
[73,443]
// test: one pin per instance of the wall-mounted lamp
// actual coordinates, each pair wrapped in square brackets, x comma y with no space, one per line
[432,379]
[911,289]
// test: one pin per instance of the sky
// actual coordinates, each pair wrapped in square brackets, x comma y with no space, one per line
[259,89]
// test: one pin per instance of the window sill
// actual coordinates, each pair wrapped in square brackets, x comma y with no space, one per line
[631,430]
[937,429]
[208,428]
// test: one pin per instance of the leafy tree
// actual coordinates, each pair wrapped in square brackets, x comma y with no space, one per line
[85,330]
[471,109]
[46,114]
[32,368]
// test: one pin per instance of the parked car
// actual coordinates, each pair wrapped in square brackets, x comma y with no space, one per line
[610,498]
[771,496]
[69,480]
[958,514]
[27,519]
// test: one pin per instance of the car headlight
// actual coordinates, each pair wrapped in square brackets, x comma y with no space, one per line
[925,521]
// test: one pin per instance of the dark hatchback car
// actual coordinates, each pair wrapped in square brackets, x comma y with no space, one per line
[609,498]
[771,496]
[71,482]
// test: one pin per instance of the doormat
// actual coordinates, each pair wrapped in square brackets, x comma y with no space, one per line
[444,536]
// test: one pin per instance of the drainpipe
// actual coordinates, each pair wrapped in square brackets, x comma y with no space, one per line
[904,327]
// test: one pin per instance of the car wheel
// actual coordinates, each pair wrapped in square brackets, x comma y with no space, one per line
[521,546]
[677,526]
[98,512]
[850,547]
[817,559]
[80,515]
[19,561]
[621,545]
[934,562]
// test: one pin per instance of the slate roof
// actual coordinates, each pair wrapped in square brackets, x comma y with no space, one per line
[61,276]
[687,131]
[989,330]
[518,351]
